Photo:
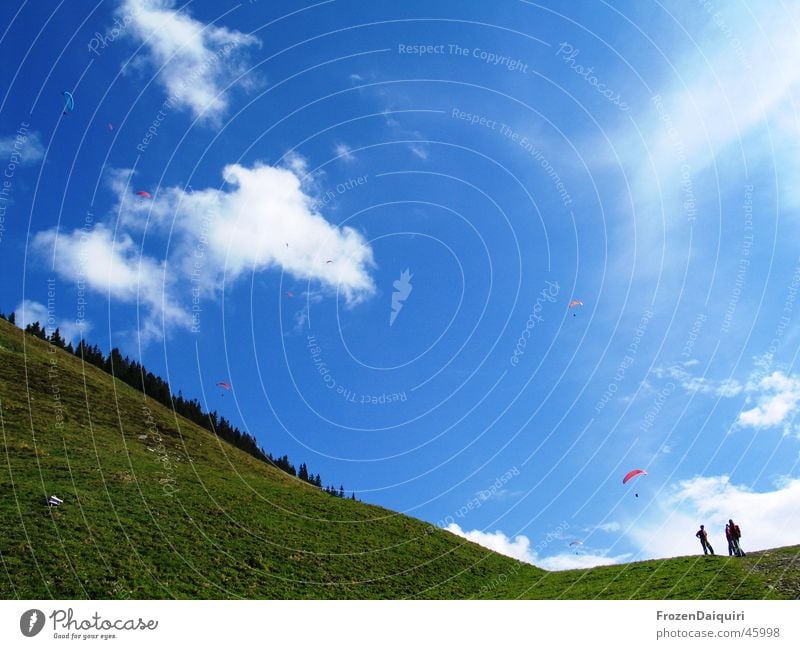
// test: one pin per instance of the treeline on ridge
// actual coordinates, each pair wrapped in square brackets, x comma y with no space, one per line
[136,375]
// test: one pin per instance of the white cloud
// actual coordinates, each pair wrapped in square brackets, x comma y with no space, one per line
[777,395]
[738,79]
[419,150]
[265,220]
[520,548]
[30,311]
[727,100]
[609,527]
[268,210]
[574,561]
[717,388]
[23,147]
[114,267]
[343,151]
[768,519]
[777,406]
[193,61]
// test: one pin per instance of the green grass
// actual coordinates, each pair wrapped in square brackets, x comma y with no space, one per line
[157,507]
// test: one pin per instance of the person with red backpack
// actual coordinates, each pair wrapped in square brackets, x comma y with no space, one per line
[730,539]
[703,536]
[736,534]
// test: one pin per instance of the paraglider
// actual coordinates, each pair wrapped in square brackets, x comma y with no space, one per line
[289,294]
[632,474]
[144,194]
[222,384]
[575,543]
[573,304]
[330,261]
[110,126]
[69,102]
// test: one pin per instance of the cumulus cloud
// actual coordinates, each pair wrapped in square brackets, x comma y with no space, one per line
[767,518]
[114,267]
[193,61]
[30,311]
[23,147]
[520,548]
[777,394]
[574,561]
[264,220]
[777,403]
[268,221]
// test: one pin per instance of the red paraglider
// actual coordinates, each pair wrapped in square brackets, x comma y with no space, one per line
[144,194]
[222,384]
[632,474]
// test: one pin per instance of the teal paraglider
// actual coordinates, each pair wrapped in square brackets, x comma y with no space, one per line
[69,102]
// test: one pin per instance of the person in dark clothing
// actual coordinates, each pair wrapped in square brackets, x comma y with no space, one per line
[703,536]
[736,534]
[730,540]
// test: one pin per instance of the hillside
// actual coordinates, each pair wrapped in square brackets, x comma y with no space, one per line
[157,507]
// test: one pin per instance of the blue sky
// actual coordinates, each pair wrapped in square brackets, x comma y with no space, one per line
[638,157]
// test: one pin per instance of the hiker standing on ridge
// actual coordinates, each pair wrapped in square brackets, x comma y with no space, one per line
[730,539]
[736,534]
[703,536]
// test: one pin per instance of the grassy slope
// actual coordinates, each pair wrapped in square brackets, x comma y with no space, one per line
[157,507]
[188,516]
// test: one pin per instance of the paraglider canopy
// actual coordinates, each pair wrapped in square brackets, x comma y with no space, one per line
[573,304]
[144,194]
[576,543]
[69,102]
[222,384]
[632,474]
